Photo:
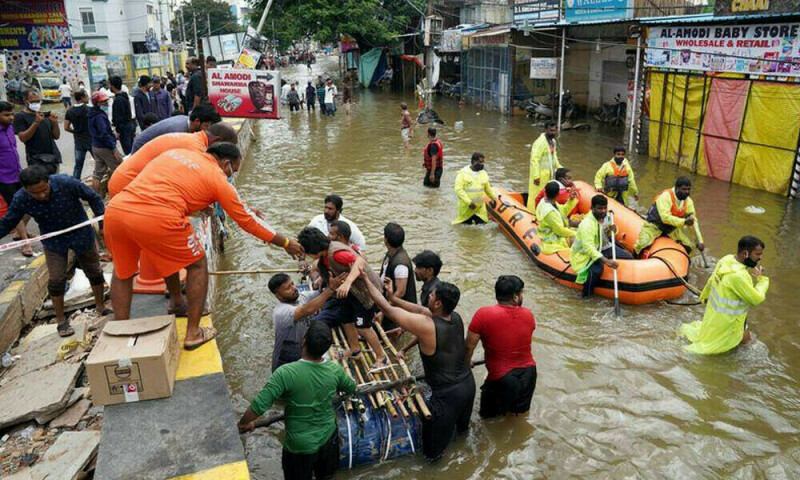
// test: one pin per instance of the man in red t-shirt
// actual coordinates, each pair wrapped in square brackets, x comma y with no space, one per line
[567,192]
[505,330]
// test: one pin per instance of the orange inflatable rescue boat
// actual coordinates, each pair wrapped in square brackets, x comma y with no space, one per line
[640,281]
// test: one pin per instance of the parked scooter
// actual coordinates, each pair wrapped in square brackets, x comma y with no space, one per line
[541,112]
[613,114]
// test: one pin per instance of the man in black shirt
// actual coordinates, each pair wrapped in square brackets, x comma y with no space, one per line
[39,131]
[194,89]
[442,349]
[397,267]
[76,122]
[121,116]
[426,270]
[142,100]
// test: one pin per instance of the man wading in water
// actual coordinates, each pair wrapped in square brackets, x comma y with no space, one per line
[443,352]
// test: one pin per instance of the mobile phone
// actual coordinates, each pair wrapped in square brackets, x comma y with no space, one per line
[46,114]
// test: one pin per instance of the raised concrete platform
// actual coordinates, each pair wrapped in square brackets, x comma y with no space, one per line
[192,434]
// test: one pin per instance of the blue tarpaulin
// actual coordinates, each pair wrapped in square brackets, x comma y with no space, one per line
[371,67]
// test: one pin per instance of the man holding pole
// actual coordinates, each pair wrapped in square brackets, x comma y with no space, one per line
[592,248]
[440,332]
[311,444]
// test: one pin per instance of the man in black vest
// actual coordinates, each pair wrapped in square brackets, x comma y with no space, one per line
[443,353]
[397,267]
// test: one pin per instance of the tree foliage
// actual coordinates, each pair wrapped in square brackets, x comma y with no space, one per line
[219,13]
[372,23]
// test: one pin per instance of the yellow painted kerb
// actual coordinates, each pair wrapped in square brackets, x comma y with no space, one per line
[229,471]
[11,291]
[38,261]
[196,363]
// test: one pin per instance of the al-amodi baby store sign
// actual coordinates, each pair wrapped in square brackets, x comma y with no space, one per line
[244,93]
[751,49]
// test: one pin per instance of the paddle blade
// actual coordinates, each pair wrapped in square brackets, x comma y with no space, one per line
[617,308]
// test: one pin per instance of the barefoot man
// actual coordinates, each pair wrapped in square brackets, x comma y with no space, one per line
[149,218]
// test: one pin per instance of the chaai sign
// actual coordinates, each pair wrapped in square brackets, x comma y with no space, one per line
[750,49]
[748,7]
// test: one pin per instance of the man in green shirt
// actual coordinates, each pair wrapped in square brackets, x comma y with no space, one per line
[311,445]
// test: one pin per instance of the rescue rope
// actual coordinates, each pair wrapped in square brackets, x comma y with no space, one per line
[29,241]
[671,268]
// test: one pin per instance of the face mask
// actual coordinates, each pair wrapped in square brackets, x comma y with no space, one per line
[104,108]
[599,216]
[681,195]
[550,136]
[478,167]
[34,107]
[750,263]
[619,160]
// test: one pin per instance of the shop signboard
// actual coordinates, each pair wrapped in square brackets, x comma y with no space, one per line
[244,93]
[766,49]
[531,12]
[576,11]
[546,68]
[36,25]
[451,41]
[724,8]
[252,46]
[117,66]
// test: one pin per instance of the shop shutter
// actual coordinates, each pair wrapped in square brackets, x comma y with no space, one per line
[615,81]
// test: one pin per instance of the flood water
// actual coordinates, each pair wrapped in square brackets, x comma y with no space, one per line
[615,398]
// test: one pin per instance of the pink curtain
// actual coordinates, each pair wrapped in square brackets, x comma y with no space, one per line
[723,119]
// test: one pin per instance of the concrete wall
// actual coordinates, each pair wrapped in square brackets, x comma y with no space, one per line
[111,25]
[576,78]
[486,11]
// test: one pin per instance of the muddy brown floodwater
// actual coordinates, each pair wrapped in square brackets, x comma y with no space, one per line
[615,398]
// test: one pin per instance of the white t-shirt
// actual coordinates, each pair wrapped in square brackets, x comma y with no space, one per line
[330,93]
[65,90]
[356,237]
[400,271]
[285,91]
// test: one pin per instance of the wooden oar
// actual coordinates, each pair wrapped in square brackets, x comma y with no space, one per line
[362,390]
[617,308]
[702,252]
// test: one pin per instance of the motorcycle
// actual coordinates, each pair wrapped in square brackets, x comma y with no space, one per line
[541,111]
[613,114]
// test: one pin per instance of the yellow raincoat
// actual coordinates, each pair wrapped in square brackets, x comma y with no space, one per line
[553,228]
[586,247]
[471,185]
[608,170]
[543,166]
[728,295]
[664,205]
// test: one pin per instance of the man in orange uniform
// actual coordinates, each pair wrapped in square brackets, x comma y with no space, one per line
[150,218]
[198,142]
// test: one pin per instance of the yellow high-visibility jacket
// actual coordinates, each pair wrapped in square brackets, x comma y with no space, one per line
[608,170]
[728,295]
[471,185]
[586,247]
[543,167]
[553,228]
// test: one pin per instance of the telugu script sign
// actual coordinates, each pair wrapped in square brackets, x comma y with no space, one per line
[544,68]
[749,49]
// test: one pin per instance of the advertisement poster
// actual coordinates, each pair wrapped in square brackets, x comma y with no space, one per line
[593,10]
[117,66]
[748,49]
[98,70]
[244,93]
[42,24]
[544,68]
[532,12]
[248,59]
[723,8]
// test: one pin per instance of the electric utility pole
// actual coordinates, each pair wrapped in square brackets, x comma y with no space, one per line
[429,56]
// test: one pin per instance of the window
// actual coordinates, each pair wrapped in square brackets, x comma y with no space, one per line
[87,20]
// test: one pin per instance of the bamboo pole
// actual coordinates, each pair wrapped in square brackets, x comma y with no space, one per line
[390,374]
[417,396]
[267,271]
[382,376]
[346,361]
[380,398]
[343,363]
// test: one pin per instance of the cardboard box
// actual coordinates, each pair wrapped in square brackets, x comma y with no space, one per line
[134,360]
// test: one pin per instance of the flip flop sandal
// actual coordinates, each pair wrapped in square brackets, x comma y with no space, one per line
[27,251]
[183,311]
[65,331]
[106,311]
[353,355]
[209,333]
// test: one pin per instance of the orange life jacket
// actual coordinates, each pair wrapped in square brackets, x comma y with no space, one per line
[655,218]
[439,154]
